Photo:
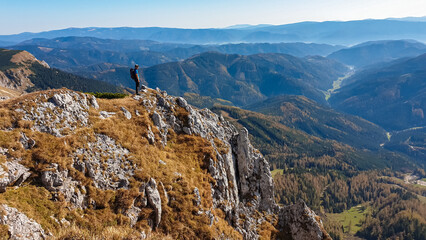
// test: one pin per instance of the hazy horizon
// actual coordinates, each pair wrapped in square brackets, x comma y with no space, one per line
[36,16]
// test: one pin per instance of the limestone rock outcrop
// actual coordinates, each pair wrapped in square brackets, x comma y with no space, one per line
[63,111]
[12,173]
[105,162]
[154,200]
[300,222]
[20,227]
[243,182]
[58,181]
[241,185]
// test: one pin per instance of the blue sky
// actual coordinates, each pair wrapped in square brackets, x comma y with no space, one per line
[40,15]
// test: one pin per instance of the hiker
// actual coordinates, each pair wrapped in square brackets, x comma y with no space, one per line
[134,74]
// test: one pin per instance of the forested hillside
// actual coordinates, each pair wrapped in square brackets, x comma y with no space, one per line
[20,71]
[246,79]
[333,177]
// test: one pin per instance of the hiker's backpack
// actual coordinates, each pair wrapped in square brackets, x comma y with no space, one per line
[132,73]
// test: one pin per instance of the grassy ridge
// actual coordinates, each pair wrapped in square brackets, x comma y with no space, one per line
[5,56]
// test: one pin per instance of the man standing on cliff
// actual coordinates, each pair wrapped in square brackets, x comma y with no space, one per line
[134,74]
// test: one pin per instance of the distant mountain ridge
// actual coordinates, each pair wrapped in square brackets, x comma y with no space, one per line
[246,79]
[77,54]
[374,52]
[332,32]
[393,97]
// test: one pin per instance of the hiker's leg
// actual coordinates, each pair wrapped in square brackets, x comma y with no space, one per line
[137,87]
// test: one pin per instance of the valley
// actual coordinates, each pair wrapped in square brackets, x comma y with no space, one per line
[338,83]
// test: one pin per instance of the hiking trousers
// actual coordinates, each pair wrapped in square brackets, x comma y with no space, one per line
[137,87]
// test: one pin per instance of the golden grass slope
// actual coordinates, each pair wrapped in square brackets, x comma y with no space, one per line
[184,170]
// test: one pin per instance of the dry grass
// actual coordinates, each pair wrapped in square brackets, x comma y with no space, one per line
[186,159]
[4,232]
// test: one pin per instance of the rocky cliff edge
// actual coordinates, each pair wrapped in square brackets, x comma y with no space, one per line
[149,165]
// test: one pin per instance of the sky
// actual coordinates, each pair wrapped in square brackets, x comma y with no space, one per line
[18,16]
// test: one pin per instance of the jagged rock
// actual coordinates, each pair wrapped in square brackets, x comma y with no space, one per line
[147,104]
[197,199]
[161,162]
[186,130]
[162,102]
[12,173]
[137,97]
[62,100]
[255,179]
[151,136]
[133,214]
[243,183]
[154,200]
[181,102]
[162,127]
[242,186]
[27,142]
[19,225]
[65,109]
[94,102]
[137,113]
[56,181]
[105,114]
[211,217]
[300,222]
[127,114]
[158,122]
[105,162]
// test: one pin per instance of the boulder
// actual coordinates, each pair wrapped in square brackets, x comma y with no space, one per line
[181,102]
[154,200]
[12,174]
[126,113]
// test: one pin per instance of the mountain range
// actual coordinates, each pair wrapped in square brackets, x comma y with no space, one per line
[337,137]
[375,52]
[246,79]
[332,32]
[393,97]
[70,52]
